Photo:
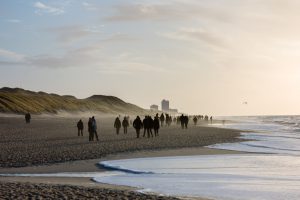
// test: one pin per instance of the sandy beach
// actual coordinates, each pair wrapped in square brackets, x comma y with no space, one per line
[51,145]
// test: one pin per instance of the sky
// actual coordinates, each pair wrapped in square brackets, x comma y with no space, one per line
[205,56]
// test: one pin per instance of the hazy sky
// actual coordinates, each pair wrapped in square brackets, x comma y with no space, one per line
[205,56]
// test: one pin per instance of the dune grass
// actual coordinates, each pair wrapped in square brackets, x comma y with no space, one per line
[16,100]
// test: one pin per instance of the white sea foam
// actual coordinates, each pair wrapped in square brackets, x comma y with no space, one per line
[220,176]
[278,134]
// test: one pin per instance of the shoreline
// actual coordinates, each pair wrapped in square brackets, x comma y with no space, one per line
[92,166]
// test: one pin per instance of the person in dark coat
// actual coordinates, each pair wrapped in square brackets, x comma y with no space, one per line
[145,125]
[195,119]
[117,125]
[150,126]
[137,124]
[162,119]
[156,125]
[27,118]
[186,121]
[90,129]
[125,124]
[94,128]
[181,119]
[168,120]
[80,127]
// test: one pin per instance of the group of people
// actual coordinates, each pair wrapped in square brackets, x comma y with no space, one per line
[148,124]
[205,118]
[124,124]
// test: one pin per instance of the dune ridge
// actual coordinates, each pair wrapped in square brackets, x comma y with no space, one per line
[20,101]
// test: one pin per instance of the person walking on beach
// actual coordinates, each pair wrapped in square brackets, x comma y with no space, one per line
[137,124]
[186,121]
[145,125]
[181,119]
[90,129]
[94,128]
[27,118]
[162,119]
[117,125]
[80,127]
[150,126]
[168,120]
[195,119]
[156,125]
[125,124]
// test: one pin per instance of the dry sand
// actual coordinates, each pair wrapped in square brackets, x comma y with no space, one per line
[50,145]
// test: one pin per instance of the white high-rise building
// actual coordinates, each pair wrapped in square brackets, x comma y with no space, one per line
[165,105]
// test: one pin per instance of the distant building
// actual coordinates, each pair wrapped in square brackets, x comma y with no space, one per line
[165,105]
[154,107]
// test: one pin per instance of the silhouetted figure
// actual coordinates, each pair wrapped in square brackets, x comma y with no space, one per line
[150,127]
[94,128]
[27,118]
[178,120]
[162,119]
[181,119]
[174,120]
[80,127]
[117,125]
[186,121]
[90,129]
[145,125]
[195,119]
[206,118]
[167,120]
[125,124]
[211,119]
[137,124]
[156,125]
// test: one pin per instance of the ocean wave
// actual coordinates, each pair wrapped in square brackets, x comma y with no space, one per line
[109,166]
[269,147]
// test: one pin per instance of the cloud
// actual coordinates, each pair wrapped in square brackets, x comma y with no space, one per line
[10,58]
[119,37]
[89,6]
[201,35]
[13,20]
[10,63]
[146,11]
[43,8]
[81,57]
[69,34]
[173,11]
[10,55]
[93,57]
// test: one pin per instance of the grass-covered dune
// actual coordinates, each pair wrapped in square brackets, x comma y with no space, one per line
[17,100]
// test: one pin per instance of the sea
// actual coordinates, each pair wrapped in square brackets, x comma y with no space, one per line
[270,170]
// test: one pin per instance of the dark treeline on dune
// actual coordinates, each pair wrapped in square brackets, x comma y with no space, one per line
[20,101]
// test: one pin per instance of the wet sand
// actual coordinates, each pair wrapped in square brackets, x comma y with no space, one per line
[50,145]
